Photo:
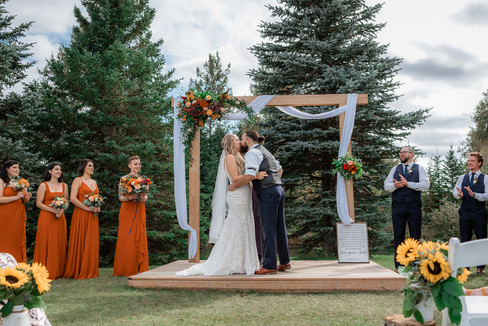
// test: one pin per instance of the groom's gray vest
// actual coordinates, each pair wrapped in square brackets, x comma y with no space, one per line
[269,165]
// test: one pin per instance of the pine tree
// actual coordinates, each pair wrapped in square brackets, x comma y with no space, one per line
[452,167]
[14,55]
[437,190]
[478,136]
[328,47]
[104,97]
[213,78]
[13,52]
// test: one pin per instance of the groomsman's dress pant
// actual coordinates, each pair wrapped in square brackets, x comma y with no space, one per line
[404,213]
[473,221]
[272,213]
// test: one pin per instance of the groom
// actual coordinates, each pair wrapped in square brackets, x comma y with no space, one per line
[271,201]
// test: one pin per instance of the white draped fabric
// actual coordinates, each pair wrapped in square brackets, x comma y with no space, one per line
[257,105]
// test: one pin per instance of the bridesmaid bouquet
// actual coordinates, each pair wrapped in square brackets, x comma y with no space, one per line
[94,200]
[23,285]
[137,186]
[59,203]
[20,183]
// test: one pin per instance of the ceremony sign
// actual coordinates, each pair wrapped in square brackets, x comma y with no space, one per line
[352,243]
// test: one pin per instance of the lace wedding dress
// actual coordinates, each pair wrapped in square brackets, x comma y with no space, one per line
[235,250]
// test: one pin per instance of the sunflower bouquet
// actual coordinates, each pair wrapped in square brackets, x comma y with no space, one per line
[348,166]
[23,286]
[428,274]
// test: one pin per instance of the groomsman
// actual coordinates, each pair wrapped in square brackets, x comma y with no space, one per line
[406,182]
[472,188]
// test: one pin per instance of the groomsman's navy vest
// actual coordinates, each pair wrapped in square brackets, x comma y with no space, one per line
[405,194]
[269,165]
[470,203]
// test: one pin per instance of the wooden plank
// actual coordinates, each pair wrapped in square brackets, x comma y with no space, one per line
[309,100]
[303,277]
[194,192]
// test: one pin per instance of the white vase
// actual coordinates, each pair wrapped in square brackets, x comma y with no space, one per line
[426,308]
[18,317]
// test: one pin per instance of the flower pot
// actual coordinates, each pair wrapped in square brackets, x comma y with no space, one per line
[18,317]
[426,309]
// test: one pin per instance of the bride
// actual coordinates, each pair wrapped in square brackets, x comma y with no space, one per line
[235,245]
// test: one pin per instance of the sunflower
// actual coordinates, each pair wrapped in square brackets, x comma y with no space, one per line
[435,268]
[23,267]
[463,277]
[41,275]
[407,251]
[12,278]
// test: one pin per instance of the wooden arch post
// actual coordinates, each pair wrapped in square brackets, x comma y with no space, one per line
[278,100]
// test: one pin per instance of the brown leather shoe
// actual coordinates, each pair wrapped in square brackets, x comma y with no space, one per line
[480,270]
[263,270]
[282,268]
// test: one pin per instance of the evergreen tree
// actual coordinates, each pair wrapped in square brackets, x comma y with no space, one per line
[437,191]
[14,55]
[452,167]
[478,136]
[104,97]
[329,47]
[213,78]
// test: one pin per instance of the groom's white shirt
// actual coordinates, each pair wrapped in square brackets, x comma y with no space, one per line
[254,157]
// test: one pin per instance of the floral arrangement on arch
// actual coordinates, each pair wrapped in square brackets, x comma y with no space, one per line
[429,275]
[198,109]
[348,166]
[23,286]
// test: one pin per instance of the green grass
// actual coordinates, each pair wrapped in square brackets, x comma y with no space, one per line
[108,300]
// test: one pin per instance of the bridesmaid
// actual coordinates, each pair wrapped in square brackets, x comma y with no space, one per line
[82,261]
[131,253]
[50,248]
[12,213]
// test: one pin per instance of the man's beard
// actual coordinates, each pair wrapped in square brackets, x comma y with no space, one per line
[244,149]
[404,160]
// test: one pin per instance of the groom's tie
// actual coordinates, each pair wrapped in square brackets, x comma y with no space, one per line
[406,170]
[471,181]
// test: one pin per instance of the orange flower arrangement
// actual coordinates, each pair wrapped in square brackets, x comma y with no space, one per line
[20,183]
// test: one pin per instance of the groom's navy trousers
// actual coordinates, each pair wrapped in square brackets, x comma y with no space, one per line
[272,213]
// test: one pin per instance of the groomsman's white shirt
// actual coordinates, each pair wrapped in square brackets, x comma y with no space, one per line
[477,196]
[423,184]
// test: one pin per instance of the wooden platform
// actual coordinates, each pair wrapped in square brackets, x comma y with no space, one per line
[305,276]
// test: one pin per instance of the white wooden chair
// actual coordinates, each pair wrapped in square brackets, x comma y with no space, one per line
[467,254]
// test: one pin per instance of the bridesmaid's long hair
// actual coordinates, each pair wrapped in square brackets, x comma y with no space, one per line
[3,174]
[83,164]
[46,176]
[228,146]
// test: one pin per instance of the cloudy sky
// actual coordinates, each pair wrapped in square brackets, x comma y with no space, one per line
[442,43]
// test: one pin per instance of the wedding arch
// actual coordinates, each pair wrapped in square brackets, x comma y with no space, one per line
[344,194]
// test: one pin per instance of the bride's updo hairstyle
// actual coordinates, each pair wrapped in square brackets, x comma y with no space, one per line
[228,146]
[255,136]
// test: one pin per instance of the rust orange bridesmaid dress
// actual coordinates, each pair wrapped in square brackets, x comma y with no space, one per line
[12,226]
[131,253]
[51,238]
[82,261]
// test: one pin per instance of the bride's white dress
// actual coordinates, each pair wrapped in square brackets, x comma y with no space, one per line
[235,250]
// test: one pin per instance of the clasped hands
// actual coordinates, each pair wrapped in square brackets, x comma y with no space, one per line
[138,197]
[470,192]
[402,183]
